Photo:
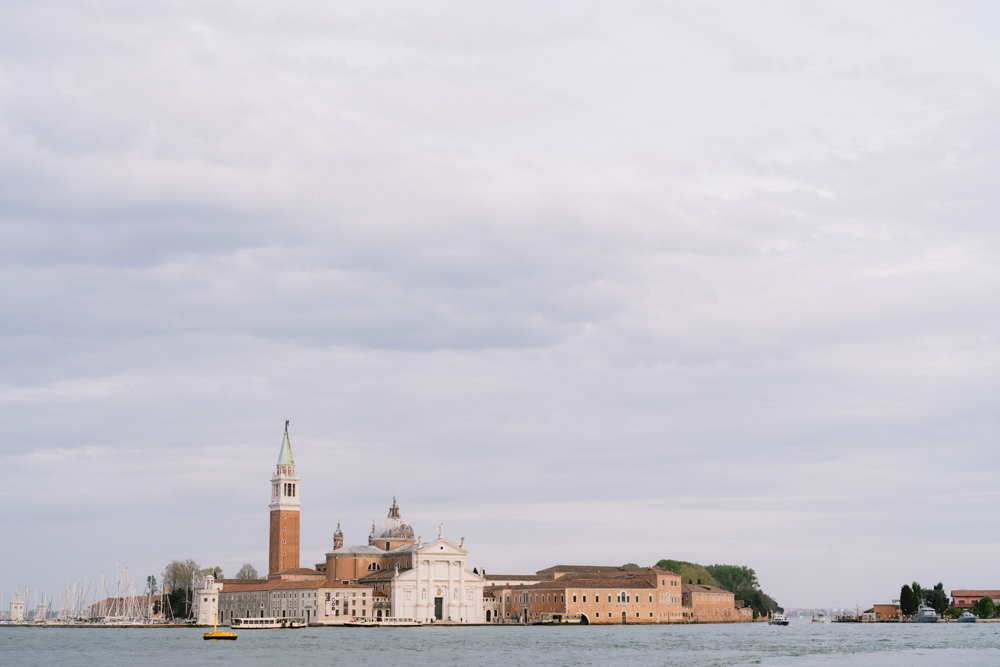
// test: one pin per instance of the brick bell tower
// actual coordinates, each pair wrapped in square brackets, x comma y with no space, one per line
[285,506]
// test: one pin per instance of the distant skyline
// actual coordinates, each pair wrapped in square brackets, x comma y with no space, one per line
[589,283]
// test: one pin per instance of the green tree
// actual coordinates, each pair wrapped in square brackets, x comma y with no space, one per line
[690,572]
[151,585]
[918,594]
[630,565]
[212,571]
[736,579]
[939,599]
[907,603]
[985,608]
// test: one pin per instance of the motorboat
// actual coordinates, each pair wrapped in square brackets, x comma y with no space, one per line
[778,618]
[967,617]
[925,614]
[819,619]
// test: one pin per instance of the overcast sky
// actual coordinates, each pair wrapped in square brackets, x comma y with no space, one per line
[587,282]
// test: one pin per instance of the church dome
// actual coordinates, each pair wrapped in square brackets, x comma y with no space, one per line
[392,528]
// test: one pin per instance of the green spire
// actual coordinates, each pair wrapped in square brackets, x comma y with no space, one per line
[285,457]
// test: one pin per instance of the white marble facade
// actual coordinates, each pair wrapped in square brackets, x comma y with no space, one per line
[439,587]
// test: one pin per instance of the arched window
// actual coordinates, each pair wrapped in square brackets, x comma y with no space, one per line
[374,566]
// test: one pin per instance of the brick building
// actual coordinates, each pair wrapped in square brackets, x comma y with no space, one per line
[709,604]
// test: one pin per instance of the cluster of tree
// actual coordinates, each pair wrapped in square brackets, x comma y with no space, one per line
[248,571]
[691,573]
[985,608]
[912,596]
[739,580]
[179,578]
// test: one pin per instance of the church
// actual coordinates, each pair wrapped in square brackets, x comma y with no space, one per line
[409,578]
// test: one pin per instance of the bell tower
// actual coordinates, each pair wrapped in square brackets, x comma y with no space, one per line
[285,506]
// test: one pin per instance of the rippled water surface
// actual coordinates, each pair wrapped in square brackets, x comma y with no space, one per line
[801,643]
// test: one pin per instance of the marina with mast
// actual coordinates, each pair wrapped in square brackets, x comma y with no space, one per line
[90,603]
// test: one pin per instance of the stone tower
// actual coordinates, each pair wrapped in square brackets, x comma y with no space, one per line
[285,506]
[338,538]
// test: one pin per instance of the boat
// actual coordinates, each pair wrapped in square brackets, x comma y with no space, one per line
[967,617]
[218,634]
[549,618]
[778,618]
[925,614]
[268,623]
[386,622]
[819,619]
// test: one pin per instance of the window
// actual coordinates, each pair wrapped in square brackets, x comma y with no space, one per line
[574,598]
[609,598]
[650,598]
[585,598]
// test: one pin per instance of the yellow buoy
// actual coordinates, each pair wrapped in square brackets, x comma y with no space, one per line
[215,634]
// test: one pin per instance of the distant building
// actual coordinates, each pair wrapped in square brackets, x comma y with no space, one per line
[886,611]
[206,600]
[964,599]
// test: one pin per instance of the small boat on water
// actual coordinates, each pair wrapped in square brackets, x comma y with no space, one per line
[925,614]
[269,623]
[778,618]
[967,617]
[819,619]
[218,634]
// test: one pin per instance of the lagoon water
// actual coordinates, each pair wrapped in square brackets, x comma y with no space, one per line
[801,643]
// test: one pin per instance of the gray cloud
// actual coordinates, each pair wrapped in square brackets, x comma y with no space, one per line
[587,282]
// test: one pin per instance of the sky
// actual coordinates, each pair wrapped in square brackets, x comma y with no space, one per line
[586,282]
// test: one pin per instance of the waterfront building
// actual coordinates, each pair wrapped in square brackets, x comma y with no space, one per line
[600,594]
[400,574]
[323,601]
[966,598]
[709,604]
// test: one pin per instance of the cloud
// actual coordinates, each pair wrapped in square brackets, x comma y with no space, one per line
[587,282]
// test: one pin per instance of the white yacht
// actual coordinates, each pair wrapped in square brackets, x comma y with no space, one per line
[967,617]
[778,618]
[819,619]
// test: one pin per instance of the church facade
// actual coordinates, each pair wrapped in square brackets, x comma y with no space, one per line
[409,578]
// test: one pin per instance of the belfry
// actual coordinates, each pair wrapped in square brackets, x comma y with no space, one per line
[285,507]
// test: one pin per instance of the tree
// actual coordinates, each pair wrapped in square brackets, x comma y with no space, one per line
[907,603]
[178,580]
[689,571]
[918,595]
[248,571]
[212,571]
[736,579]
[985,607]
[151,585]
[630,565]
[939,599]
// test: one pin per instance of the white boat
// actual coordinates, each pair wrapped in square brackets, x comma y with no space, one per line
[819,619]
[267,623]
[967,617]
[386,622]
[925,614]
[778,618]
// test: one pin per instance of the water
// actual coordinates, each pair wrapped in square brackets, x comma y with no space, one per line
[801,643]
